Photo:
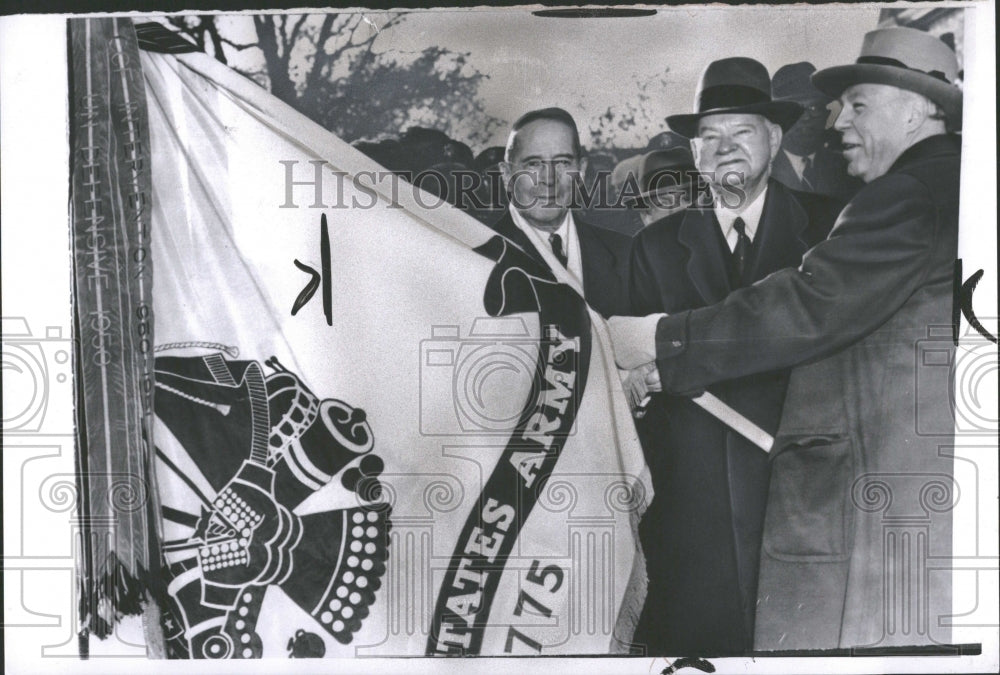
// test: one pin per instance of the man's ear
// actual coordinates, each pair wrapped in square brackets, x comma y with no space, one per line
[582,163]
[507,171]
[918,108]
[695,151]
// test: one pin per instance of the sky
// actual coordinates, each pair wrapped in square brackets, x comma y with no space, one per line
[588,65]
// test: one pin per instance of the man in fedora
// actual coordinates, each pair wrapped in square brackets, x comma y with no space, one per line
[861,488]
[542,162]
[702,532]
[656,184]
[810,159]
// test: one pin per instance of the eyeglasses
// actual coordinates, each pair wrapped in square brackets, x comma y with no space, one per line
[559,164]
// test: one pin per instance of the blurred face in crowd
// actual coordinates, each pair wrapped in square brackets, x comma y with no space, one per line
[806,135]
[876,125]
[665,202]
[736,150]
[540,171]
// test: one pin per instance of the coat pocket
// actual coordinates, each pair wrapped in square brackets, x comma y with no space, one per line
[808,515]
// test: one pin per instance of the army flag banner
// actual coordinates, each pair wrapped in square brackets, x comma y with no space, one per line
[379,428]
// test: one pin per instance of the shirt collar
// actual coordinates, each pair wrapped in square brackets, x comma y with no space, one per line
[750,215]
[562,230]
[798,162]
[542,240]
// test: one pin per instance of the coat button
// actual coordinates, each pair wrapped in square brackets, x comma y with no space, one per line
[675,343]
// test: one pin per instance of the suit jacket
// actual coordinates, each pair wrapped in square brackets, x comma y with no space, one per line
[604,256]
[861,485]
[701,534]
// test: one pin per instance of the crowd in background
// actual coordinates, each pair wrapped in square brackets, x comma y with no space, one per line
[810,161]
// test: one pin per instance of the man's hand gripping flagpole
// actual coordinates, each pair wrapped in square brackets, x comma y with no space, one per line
[635,353]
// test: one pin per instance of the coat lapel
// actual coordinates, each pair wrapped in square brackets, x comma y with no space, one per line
[780,240]
[598,261]
[707,264]
[782,171]
[506,228]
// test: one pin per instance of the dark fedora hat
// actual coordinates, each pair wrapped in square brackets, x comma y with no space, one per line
[792,82]
[736,85]
[906,58]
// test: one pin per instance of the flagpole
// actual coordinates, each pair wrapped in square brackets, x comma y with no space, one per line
[734,420]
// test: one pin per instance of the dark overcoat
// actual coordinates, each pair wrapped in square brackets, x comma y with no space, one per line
[701,534]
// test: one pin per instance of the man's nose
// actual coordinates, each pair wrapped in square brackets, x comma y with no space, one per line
[726,145]
[547,174]
[843,118]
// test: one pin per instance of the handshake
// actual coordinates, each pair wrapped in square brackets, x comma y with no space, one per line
[634,340]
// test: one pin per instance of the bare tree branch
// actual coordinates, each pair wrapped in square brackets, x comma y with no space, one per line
[275,57]
[328,68]
[345,30]
[340,33]
[208,26]
[295,32]
[321,58]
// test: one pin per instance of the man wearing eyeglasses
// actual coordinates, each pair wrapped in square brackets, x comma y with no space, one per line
[542,161]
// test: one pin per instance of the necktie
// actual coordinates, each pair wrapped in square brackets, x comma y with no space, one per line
[742,248]
[808,175]
[557,249]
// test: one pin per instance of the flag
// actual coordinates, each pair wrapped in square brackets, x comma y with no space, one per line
[380,428]
[117,543]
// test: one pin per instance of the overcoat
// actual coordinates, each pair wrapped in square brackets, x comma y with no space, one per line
[859,506]
[604,256]
[701,534]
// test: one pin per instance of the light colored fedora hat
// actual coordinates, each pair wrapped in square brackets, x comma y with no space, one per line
[901,57]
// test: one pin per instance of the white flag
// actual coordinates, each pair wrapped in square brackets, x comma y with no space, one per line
[380,428]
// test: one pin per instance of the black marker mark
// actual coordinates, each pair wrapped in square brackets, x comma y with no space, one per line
[965,299]
[307,292]
[956,301]
[594,13]
[315,278]
[324,251]
[688,662]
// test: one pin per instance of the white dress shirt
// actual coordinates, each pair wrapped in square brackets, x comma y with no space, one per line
[750,214]
[634,338]
[566,232]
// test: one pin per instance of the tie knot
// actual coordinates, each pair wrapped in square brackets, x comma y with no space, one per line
[740,226]
[555,240]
